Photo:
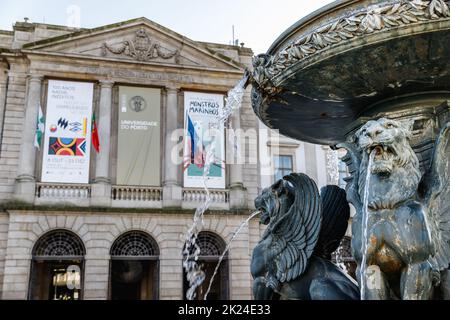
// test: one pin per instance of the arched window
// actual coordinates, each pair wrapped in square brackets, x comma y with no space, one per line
[211,248]
[60,243]
[57,267]
[135,243]
[134,267]
[211,245]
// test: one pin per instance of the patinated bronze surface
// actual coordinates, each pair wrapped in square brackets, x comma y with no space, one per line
[373,76]
[292,260]
[408,212]
[331,67]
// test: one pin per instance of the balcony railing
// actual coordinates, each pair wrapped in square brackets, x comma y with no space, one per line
[62,191]
[136,197]
[60,194]
[219,198]
[199,195]
[127,193]
[128,196]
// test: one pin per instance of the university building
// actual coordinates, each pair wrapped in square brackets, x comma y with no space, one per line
[80,223]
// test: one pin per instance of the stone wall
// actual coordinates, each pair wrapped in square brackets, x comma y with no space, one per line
[4,226]
[251,169]
[6,39]
[98,232]
[12,127]
[23,81]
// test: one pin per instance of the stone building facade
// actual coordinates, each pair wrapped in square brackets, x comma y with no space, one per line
[94,226]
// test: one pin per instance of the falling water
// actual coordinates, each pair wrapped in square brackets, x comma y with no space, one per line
[227,248]
[364,241]
[195,276]
[332,164]
[339,258]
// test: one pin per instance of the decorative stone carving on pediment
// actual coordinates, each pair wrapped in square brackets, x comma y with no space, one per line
[141,48]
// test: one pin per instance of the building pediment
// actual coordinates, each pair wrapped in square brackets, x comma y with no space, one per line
[139,41]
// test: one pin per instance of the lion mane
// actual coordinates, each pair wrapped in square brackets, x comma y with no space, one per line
[395,167]
[301,222]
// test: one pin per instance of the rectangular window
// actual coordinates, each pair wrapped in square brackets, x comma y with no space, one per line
[283,165]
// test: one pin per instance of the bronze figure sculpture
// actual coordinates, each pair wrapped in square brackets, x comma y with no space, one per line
[406,234]
[293,258]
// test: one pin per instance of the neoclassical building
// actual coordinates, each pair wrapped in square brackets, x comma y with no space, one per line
[77,223]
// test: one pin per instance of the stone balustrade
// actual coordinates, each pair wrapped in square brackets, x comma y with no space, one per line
[136,197]
[128,196]
[192,198]
[129,193]
[62,191]
[199,195]
[63,194]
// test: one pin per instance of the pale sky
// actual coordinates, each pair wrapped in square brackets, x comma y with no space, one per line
[257,22]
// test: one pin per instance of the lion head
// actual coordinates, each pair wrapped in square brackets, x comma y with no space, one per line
[395,169]
[275,200]
[389,139]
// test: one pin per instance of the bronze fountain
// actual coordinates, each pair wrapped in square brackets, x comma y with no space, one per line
[372,77]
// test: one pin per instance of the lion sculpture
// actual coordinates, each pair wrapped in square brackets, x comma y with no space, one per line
[293,258]
[402,226]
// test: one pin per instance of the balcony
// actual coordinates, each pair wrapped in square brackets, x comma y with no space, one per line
[136,197]
[192,198]
[127,196]
[55,193]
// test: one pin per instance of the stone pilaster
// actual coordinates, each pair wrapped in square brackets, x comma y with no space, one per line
[3,84]
[172,192]
[26,180]
[171,276]
[236,186]
[96,273]
[101,188]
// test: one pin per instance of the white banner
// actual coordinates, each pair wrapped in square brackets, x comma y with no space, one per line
[67,146]
[200,111]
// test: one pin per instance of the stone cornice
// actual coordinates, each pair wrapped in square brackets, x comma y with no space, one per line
[121,61]
[17,208]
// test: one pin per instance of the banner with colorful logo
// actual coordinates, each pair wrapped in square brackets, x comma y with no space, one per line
[66,152]
[201,114]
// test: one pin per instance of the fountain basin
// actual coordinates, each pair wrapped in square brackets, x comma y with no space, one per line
[352,60]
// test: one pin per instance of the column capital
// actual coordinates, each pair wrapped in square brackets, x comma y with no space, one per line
[35,77]
[106,83]
[172,90]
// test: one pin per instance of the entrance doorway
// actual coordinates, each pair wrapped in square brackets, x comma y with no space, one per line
[211,248]
[57,267]
[134,267]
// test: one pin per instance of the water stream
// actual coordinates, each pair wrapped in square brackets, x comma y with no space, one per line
[227,248]
[340,258]
[365,217]
[194,274]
